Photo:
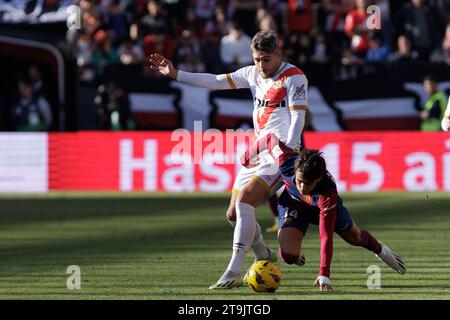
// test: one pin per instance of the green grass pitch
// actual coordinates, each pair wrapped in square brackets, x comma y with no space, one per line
[160,246]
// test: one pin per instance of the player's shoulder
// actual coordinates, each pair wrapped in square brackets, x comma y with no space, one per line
[292,72]
[293,69]
[248,71]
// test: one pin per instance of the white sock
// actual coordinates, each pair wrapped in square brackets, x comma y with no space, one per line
[244,233]
[259,247]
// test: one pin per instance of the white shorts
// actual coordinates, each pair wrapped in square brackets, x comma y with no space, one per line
[266,173]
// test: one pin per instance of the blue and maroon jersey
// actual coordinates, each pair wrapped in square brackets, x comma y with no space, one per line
[324,196]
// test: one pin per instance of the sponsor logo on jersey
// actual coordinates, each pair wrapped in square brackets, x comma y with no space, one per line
[261,103]
[307,199]
[299,93]
[277,84]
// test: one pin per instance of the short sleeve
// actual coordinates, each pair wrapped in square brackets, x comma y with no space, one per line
[297,92]
[240,78]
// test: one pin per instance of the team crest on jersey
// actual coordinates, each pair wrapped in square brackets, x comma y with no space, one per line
[278,84]
[299,93]
[307,198]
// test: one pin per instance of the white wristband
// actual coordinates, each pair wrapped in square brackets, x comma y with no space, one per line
[324,280]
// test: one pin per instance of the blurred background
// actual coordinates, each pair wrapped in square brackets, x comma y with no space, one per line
[79,69]
[94,75]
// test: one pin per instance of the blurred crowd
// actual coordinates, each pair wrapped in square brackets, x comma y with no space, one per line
[341,38]
[214,35]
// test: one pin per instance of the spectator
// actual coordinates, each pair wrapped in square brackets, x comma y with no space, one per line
[204,10]
[211,51]
[191,22]
[320,50]
[84,51]
[30,113]
[235,49]
[260,14]
[175,12]
[305,50]
[446,45]
[378,51]
[91,22]
[137,9]
[113,108]
[404,52]
[434,109]
[35,75]
[300,16]
[268,23]
[154,22]
[118,21]
[442,54]
[356,29]
[220,22]
[244,13]
[189,57]
[277,9]
[416,20]
[130,53]
[335,12]
[104,53]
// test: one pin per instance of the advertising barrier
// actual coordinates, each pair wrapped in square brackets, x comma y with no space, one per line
[185,161]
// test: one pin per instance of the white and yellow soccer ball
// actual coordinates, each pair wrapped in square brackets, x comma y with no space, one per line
[264,276]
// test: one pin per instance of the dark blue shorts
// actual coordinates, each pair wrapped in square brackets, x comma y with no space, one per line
[297,214]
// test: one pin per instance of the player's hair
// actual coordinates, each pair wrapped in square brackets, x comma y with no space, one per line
[429,77]
[311,164]
[266,41]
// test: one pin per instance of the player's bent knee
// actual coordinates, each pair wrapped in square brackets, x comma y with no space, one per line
[287,257]
[252,197]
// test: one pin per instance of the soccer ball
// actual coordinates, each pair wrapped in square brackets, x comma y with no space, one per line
[264,276]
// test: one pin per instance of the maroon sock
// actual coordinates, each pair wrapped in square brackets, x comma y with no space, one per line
[369,242]
[286,257]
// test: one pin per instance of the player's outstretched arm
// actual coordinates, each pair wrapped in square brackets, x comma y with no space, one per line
[206,80]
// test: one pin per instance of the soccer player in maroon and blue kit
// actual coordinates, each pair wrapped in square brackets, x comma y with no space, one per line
[311,196]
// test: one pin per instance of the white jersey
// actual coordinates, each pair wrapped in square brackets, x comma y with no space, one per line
[274,98]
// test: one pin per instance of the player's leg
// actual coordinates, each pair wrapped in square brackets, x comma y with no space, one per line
[355,236]
[272,203]
[290,241]
[293,227]
[259,247]
[252,194]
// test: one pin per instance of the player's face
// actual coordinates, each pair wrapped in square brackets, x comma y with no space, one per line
[267,64]
[429,86]
[305,187]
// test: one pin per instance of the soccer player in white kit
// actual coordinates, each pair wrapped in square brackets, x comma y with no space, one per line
[279,91]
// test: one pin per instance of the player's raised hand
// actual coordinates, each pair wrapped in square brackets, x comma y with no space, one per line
[162,65]
[323,283]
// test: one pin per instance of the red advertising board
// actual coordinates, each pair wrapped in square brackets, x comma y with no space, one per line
[143,161]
